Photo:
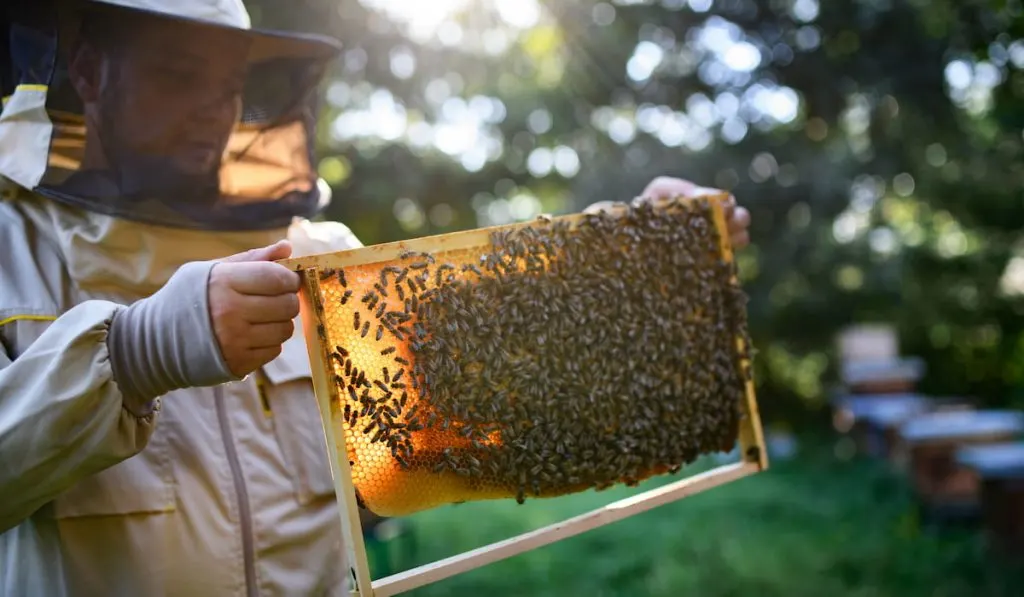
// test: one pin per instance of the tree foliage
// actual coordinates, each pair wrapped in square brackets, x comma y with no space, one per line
[877,144]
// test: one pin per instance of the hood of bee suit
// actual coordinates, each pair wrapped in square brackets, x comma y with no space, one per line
[114,241]
[230,13]
[171,114]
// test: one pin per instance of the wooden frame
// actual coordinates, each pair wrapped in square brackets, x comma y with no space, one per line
[751,438]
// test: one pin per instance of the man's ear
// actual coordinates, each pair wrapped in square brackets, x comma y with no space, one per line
[85,70]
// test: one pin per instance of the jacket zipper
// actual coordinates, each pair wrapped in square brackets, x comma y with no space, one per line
[242,493]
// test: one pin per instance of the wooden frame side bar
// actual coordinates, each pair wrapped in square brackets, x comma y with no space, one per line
[624,508]
[344,489]
[751,433]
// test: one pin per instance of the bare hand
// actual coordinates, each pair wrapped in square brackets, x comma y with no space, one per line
[253,305]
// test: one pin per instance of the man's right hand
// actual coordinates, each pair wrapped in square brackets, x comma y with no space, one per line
[213,322]
[253,305]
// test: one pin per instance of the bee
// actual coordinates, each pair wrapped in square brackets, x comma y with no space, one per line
[381,309]
[398,375]
[401,276]
[366,328]
[346,296]
[367,296]
[384,274]
[401,361]
[380,289]
[439,272]
[341,278]
[380,332]
[355,321]
[387,351]
[326,273]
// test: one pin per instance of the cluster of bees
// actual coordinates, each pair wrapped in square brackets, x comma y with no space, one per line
[566,357]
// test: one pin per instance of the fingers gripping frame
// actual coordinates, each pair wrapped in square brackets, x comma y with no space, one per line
[751,439]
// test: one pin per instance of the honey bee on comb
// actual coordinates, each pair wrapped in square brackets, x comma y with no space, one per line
[562,357]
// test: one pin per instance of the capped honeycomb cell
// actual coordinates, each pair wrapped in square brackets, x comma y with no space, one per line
[566,355]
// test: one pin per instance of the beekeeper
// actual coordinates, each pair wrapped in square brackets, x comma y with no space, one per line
[158,430]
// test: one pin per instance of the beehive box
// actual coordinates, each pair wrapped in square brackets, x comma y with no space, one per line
[883,376]
[874,420]
[1000,472]
[530,361]
[944,487]
[868,417]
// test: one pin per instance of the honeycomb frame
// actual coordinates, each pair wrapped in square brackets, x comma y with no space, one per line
[753,456]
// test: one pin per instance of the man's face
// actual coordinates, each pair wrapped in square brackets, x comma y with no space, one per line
[165,103]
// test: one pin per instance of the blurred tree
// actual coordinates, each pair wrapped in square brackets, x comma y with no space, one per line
[877,143]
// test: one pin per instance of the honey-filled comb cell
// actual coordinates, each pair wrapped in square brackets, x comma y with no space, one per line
[554,357]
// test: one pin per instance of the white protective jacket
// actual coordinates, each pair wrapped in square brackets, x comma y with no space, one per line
[222,491]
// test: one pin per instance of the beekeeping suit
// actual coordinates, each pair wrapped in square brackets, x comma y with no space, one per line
[136,151]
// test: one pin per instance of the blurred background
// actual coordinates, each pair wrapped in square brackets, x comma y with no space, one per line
[878,145]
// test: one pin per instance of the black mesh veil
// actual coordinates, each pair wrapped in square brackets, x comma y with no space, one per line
[158,118]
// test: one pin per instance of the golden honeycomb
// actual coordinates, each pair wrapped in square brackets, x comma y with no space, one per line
[564,355]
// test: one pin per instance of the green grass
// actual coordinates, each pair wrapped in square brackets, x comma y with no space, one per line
[814,527]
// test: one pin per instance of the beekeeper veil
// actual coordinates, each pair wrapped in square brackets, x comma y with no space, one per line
[170,113]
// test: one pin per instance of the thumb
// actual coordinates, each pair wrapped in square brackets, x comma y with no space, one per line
[282,249]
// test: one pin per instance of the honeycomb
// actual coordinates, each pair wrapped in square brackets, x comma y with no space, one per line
[570,354]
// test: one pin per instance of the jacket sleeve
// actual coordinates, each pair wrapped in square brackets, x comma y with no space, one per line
[62,416]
